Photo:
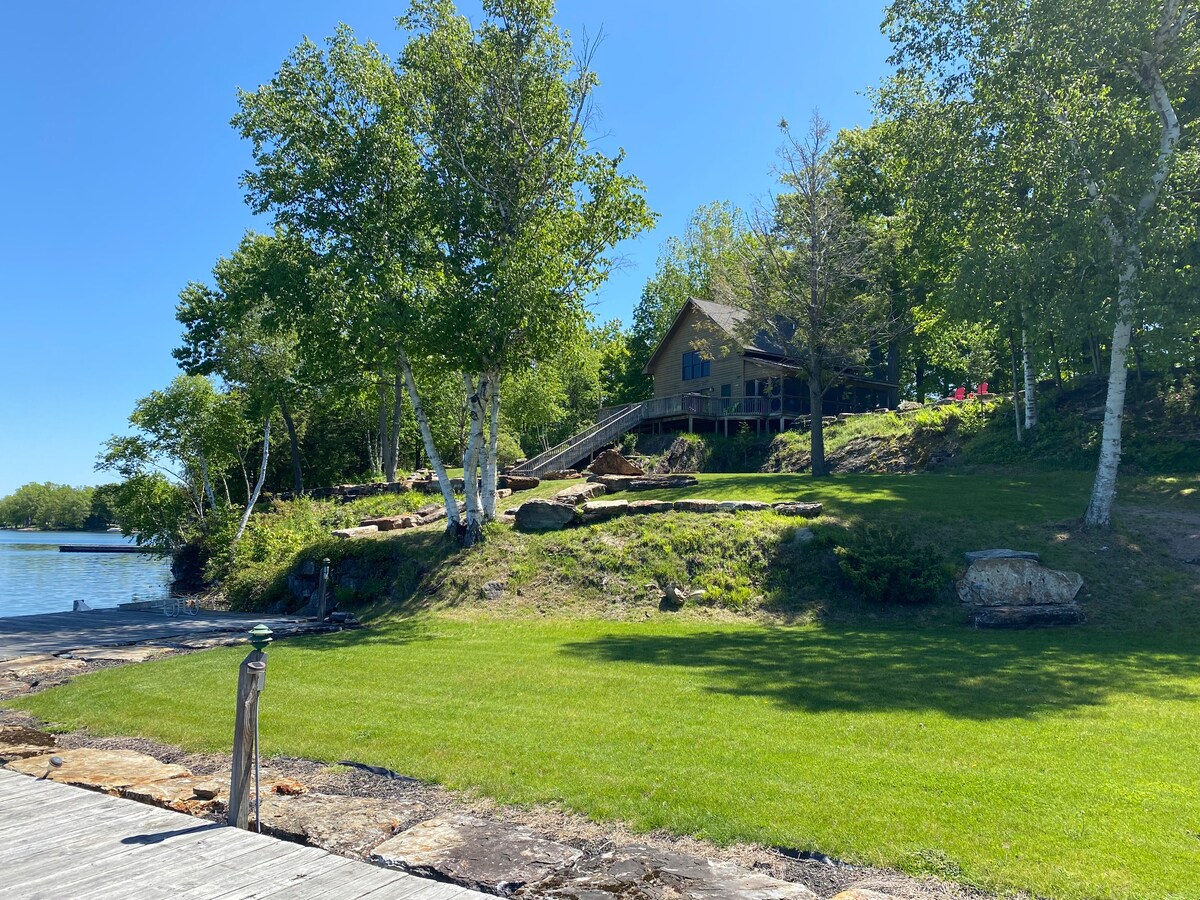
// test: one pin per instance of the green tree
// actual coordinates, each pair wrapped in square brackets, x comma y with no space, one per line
[1091,88]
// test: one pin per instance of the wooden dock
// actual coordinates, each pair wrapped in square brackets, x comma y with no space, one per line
[59,841]
[59,632]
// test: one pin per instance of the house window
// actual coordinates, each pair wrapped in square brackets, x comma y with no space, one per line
[694,366]
[727,390]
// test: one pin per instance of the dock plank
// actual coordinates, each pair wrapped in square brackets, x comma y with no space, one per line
[94,847]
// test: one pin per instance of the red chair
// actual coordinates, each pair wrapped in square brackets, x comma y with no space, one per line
[960,393]
[983,388]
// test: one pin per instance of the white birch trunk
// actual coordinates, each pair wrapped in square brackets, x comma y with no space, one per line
[262,477]
[471,457]
[435,459]
[1031,413]
[490,464]
[1104,488]
[208,488]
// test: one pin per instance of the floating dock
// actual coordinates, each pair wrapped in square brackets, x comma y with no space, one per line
[105,548]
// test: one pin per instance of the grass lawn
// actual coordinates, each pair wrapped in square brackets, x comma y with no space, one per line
[1062,763]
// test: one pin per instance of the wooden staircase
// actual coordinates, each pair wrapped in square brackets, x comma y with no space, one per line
[582,445]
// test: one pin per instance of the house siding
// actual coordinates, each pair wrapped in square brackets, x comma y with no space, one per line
[696,332]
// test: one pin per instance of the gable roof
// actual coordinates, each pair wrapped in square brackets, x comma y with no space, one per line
[729,319]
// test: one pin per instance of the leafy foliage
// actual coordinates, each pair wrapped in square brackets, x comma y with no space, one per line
[886,565]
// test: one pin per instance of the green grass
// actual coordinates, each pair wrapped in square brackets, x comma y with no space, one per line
[1061,763]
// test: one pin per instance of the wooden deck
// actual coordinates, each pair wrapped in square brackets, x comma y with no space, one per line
[59,632]
[58,841]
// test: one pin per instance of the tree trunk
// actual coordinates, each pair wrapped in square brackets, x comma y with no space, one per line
[381,441]
[1104,488]
[816,425]
[919,377]
[208,489]
[476,394]
[435,459]
[392,456]
[1016,388]
[294,444]
[1057,364]
[893,374]
[491,465]
[262,477]
[1030,382]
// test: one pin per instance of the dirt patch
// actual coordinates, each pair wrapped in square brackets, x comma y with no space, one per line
[1173,532]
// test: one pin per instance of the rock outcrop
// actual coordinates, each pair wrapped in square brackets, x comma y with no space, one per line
[603,510]
[580,493]
[659,482]
[544,515]
[108,771]
[333,822]
[799,508]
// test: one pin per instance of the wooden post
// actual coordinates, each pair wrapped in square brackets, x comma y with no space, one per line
[251,681]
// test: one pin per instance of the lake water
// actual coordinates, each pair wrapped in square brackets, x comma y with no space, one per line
[36,578]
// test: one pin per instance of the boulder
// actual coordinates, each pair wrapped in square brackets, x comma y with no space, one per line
[108,771]
[642,507]
[388,523]
[361,531]
[503,493]
[19,742]
[518,482]
[742,505]
[695,504]
[659,482]
[610,462]
[337,823]
[580,493]
[648,873]
[560,475]
[602,510]
[1017,582]
[798,508]
[544,515]
[976,555]
[494,590]
[40,665]
[475,853]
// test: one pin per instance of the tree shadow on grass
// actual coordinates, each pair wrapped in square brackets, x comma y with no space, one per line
[963,673]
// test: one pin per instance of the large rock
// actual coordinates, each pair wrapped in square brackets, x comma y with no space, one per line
[339,824]
[388,523]
[476,853]
[695,504]
[742,506]
[659,482]
[647,873]
[544,515]
[11,687]
[643,507]
[109,771]
[1009,581]
[560,475]
[19,742]
[799,508]
[602,510]
[40,665]
[518,482]
[361,531]
[580,493]
[610,462]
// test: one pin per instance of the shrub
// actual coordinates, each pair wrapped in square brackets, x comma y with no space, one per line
[887,566]
[629,444]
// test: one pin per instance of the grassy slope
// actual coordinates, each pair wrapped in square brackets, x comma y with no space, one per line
[1057,762]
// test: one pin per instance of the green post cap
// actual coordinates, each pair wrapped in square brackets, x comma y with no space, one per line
[260,636]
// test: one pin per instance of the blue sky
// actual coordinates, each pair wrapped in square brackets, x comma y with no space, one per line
[120,171]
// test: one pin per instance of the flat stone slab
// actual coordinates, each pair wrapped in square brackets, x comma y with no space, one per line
[643,507]
[742,505]
[799,508]
[360,531]
[333,822]
[109,771]
[658,482]
[614,483]
[10,687]
[1043,616]
[183,794]
[39,665]
[476,853]
[115,654]
[976,555]
[696,505]
[19,742]
[647,873]
[602,510]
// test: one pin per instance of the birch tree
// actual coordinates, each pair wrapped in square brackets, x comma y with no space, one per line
[1094,85]
[527,213]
